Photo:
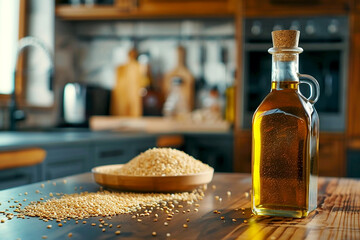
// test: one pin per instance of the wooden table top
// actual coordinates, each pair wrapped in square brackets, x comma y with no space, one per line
[337,215]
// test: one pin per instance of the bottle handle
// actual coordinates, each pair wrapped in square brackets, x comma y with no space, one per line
[314,87]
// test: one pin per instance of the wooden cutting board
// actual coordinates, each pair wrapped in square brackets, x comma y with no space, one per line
[125,98]
[186,76]
[155,125]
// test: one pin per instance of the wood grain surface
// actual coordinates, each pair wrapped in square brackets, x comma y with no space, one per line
[21,158]
[337,215]
[125,97]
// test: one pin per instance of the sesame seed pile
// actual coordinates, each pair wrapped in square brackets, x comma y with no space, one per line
[105,203]
[162,162]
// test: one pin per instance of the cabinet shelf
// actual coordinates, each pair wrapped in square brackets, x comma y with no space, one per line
[146,10]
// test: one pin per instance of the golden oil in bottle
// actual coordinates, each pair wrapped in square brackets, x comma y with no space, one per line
[285,133]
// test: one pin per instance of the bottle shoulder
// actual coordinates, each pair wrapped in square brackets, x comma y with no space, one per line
[285,102]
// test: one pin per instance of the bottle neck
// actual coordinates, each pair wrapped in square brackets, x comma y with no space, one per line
[284,71]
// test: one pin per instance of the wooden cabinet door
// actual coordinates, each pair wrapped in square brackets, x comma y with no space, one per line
[353,129]
[332,155]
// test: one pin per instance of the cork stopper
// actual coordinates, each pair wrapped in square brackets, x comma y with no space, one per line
[285,44]
[285,38]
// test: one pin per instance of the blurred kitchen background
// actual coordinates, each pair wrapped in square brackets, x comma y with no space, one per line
[154,64]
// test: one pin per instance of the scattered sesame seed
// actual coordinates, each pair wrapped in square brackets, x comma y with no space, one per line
[222,218]
[70,235]
[166,223]
[153,233]
[228,193]
[42,185]
[117,232]
[185,225]
[54,183]
[60,225]
[245,221]
[213,187]
[49,226]
[103,229]
[118,226]
[44,237]
[234,220]
[155,220]
[168,235]
[84,222]
[93,224]
[2,220]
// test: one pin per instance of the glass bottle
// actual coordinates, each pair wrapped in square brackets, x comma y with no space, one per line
[175,104]
[285,132]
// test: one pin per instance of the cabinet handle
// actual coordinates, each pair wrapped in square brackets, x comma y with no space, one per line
[111,153]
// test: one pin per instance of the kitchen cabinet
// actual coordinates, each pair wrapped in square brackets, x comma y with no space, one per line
[213,149]
[357,5]
[295,7]
[121,151]
[67,160]
[353,130]
[148,9]
[20,176]
[331,153]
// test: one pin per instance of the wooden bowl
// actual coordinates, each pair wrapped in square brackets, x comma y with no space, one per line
[181,183]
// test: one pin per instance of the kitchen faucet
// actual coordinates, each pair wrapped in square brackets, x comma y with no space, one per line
[15,114]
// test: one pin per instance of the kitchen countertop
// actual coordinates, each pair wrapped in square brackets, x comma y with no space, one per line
[337,215]
[26,139]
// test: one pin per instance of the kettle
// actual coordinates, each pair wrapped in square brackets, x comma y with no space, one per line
[81,101]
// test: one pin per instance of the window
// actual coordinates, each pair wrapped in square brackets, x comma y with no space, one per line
[9,27]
